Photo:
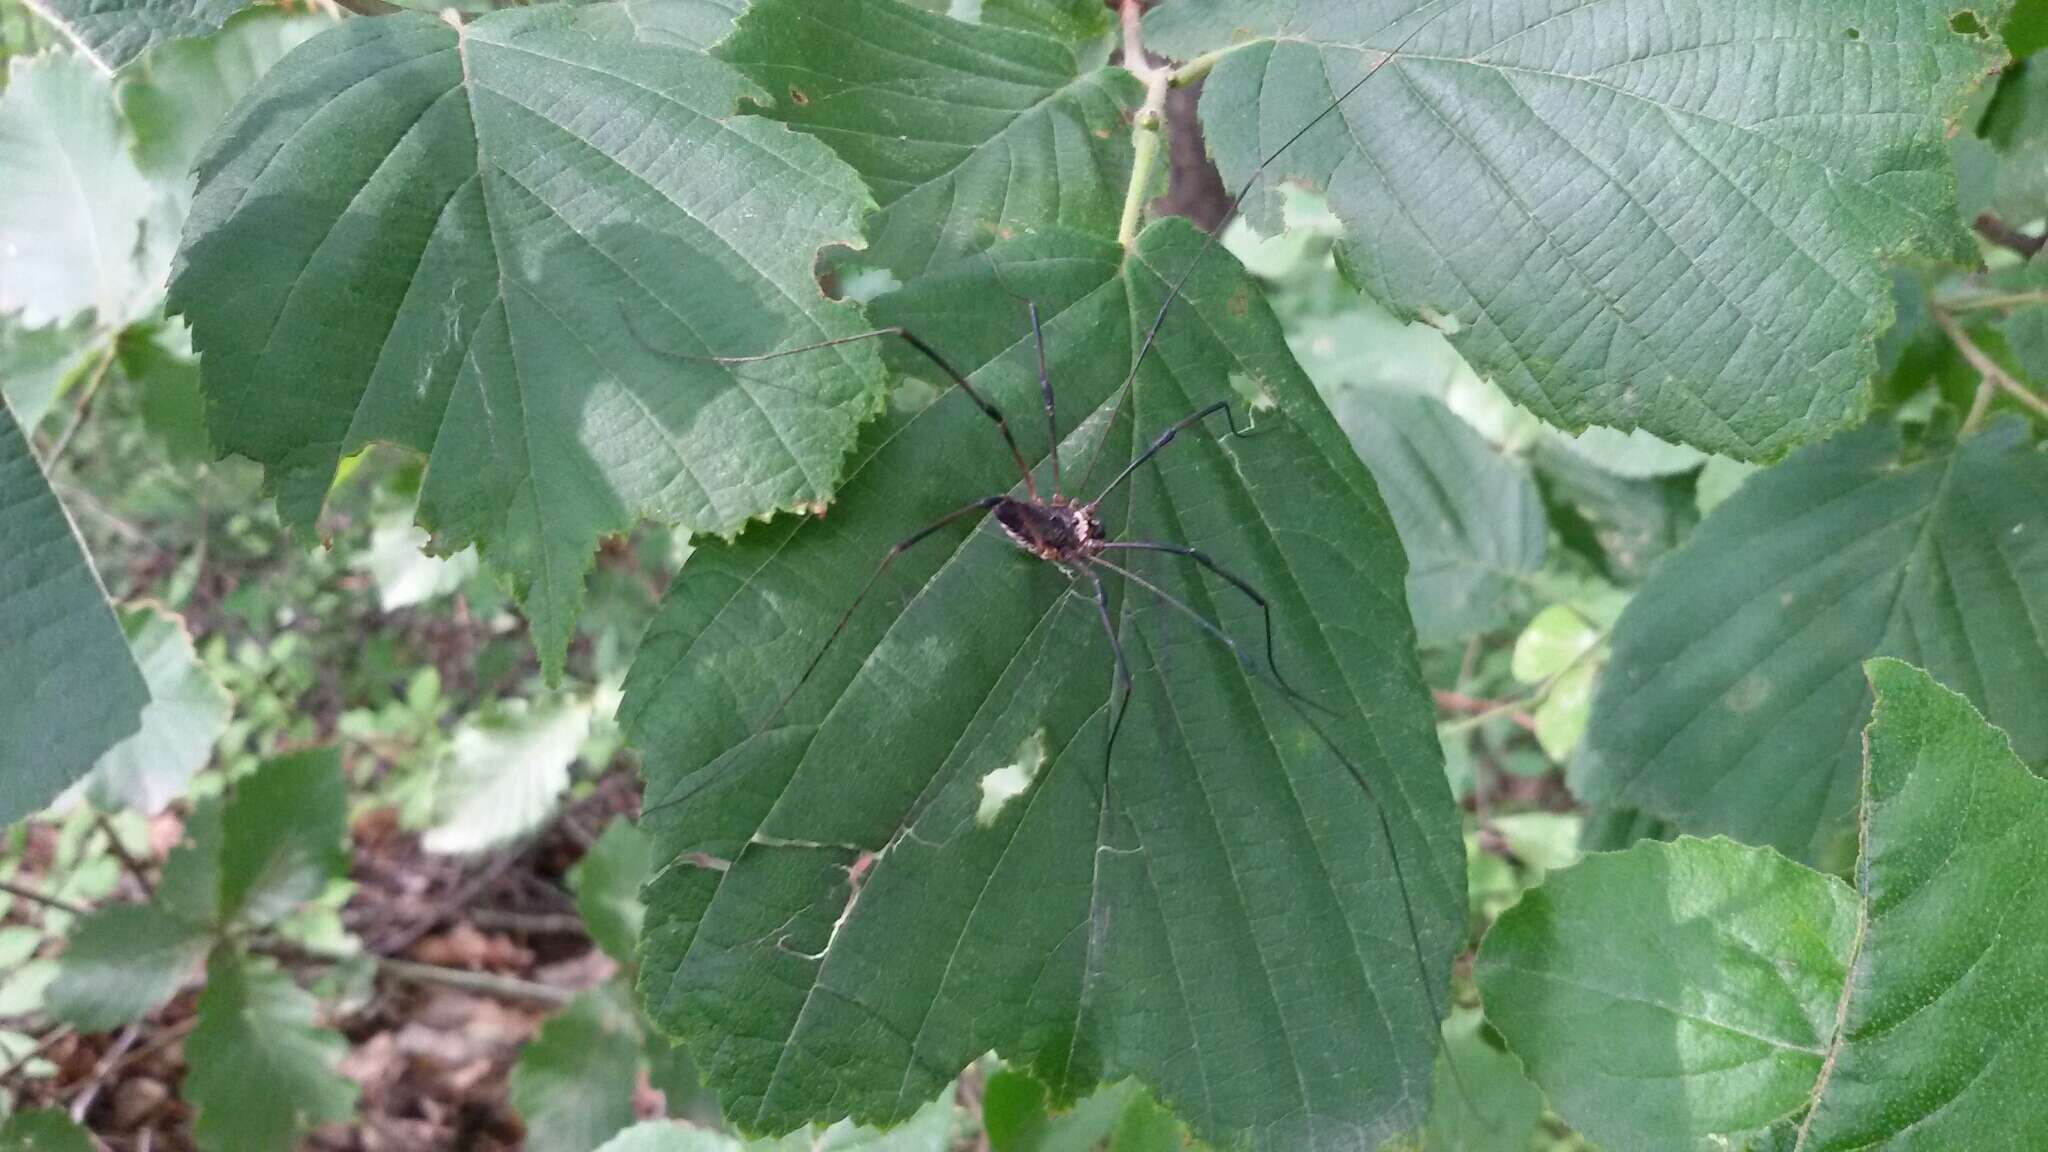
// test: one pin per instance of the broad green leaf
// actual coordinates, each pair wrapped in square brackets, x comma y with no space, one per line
[573,1083]
[1673,996]
[1471,520]
[1641,213]
[965,134]
[69,688]
[841,929]
[258,1069]
[158,359]
[1116,1118]
[283,836]
[121,963]
[505,775]
[186,713]
[1785,1009]
[64,249]
[1626,526]
[607,885]
[180,91]
[505,206]
[189,886]
[933,1129]
[692,24]
[1484,1103]
[37,363]
[404,573]
[1636,455]
[110,33]
[44,1131]
[1734,699]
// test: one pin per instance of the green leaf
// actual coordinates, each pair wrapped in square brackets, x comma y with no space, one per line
[179,92]
[62,252]
[989,131]
[1635,455]
[1639,213]
[258,1069]
[1555,640]
[607,886]
[573,1083]
[1484,1103]
[158,359]
[405,574]
[841,930]
[69,688]
[505,776]
[186,713]
[1734,698]
[1624,525]
[1471,520]
[37,363]
[121,963]
[110,33]
[1892,1015]
[44,1131]
[283,836]
[933,1129]
[496,202]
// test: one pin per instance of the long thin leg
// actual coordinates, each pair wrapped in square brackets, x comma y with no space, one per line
[895,550]
[1301,705]
[1166,437]
[1052,423]
[1236,581]
[958,378]
[1123,670]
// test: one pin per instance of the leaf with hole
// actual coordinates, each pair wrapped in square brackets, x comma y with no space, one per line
[1638,213]
[524,215]
[841,929]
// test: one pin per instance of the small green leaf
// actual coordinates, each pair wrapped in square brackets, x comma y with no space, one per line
[512,207]
[404,573]
[258,1069]
[835,932]
[990,131]
[37,364]
[69,687]
[283,836]
[1735,698]
[1470,519]
[44,1131]
[158,359]
[506,775]
[121,963]
[1555,640]
[607,886]
[186,713]
[573,1084]
[1481,1101]
[110,33]
[1665,214]
[62,253]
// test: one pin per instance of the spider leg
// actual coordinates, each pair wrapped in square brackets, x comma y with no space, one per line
[1052,423]
[1166,437]
[1236,581]
[895,550]
[1123,670]
[958,378]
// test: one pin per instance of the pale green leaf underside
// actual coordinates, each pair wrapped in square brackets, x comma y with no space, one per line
[110,33]
[1234,935]
[1471,520]
[187,712]
[69,689]
[1737,671]
[447,240]
[1784,1009]
[1642,213]
[964,133]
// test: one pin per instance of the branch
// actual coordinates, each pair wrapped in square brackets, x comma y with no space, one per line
[1145,126]
[1988,368]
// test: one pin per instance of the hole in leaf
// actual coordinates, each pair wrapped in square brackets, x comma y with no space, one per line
[1853,34]
[1967,23]
[1012,780]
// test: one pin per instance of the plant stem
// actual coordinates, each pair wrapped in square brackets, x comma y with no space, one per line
[1145,126]
[1995,301]
[1201,65]
[122,854]
[1988,368]
[44,899]
[488,983]
[84,408]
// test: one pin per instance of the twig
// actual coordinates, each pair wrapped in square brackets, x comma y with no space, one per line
[1476,706]
[1535,697]
[121,853]
[488,983]
[1979,405]
[456,901]
[84,407]
[2005,235]
[1144,126]
[102,1070]
[43,898]
[1988,368]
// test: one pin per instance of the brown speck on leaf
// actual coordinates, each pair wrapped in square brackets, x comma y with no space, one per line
[797,96]
[1240,304]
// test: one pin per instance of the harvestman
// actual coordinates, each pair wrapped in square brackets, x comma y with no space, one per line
[1068,534]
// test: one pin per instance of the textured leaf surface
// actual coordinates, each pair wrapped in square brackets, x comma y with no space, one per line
[41,1131]
[121,963]
[1640,213]
[283,836]
[1487,1104]
[69,689]
[573,1084]
[842,928]
[1470,519]
[1895,1015]
[1721,1035]
[62,250]
[1735,696]
[495,203]
[261,1072]
[965,133]
[186,713]
[607,884]
[110,33]
[504,778]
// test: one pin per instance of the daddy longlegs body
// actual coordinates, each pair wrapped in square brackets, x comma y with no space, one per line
[1058,528]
